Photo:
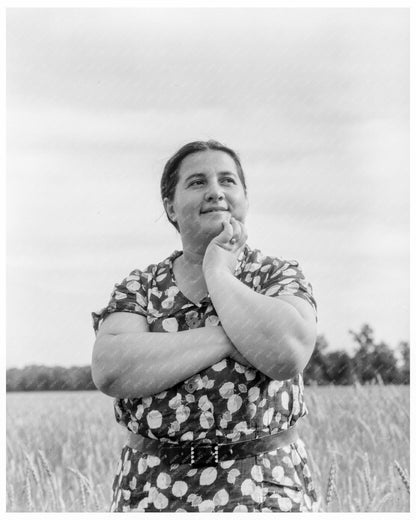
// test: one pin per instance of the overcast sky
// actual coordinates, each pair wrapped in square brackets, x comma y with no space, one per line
[315,101]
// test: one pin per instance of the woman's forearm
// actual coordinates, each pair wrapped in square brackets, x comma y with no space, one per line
[269,332]
[146,363]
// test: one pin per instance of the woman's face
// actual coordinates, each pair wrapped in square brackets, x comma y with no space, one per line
[209,191]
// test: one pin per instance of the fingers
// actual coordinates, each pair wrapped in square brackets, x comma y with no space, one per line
[233,235]
[239,234]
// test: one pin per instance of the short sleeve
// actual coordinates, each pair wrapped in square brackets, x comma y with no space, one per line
[285,277]
[128,296]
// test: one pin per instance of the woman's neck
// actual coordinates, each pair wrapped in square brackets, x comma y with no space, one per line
[192,258]
[193,253]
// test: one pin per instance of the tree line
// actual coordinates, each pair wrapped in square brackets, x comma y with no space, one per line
[371,362]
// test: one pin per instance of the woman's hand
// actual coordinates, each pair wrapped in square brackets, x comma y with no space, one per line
[223,250]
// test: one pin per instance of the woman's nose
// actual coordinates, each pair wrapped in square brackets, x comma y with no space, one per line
[214,192]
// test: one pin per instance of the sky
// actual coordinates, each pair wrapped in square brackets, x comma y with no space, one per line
[315,101]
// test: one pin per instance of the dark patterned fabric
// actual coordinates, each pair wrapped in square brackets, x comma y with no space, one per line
[223,403]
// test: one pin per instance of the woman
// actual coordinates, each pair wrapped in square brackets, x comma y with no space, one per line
[204,353]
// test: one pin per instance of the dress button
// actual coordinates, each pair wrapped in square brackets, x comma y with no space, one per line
[190,387]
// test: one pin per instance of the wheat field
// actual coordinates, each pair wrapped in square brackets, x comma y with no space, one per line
[63,448]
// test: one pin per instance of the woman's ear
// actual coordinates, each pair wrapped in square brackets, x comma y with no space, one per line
[170,209]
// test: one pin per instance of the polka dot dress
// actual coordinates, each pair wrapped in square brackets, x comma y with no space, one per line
[226,402]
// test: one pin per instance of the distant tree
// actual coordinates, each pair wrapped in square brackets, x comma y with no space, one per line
[362,361]
[374,360]
[384,363]
[340,369]
[34,377]
[405,362]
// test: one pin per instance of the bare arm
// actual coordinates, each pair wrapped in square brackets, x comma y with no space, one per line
[130,361]
[276,335]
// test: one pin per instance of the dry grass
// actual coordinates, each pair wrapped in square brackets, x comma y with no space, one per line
[63,447]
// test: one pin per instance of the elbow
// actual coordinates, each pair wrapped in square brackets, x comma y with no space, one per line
[101,368]
[293,362]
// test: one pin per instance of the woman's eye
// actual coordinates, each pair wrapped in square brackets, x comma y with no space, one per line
[229,180]
[196,182]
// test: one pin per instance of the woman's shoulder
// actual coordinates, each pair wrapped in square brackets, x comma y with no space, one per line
[254,259]
[152,270]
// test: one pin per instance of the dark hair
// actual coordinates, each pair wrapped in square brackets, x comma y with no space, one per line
[170,175]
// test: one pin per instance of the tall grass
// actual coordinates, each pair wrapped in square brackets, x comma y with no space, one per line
[63,448]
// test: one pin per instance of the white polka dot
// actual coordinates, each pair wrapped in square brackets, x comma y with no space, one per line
[277,473]
[266,462]
[143,504]
[206,506]
[257,494]
[227,464]
[154,419]
[139,411]
[126,494]
[152,461]
[232,475]
[268,416]
[206,420]
[257,473]
[170,324]
[285,504]
[219,366]
[273,387]
[160,502]
[133,483]
[140,300]
[205,404]
[187,436]
[234,403]
[163,480]
[293,494]
[308,501]
[207,476]
[295,458]
[249,374]
[226,390]
[247,487]
[146,401]
[153,492]
[241,508]
[127,467]
[142,465]
[221,497]
[285,400]
[133,286]
[175,402]
[212,321]
[182,413]
[179,488]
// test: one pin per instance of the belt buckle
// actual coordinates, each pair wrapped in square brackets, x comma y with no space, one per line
[204,455]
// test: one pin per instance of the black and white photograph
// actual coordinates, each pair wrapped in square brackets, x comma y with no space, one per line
[207,259]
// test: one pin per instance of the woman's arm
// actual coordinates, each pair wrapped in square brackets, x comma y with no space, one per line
[275,334]
[130,361]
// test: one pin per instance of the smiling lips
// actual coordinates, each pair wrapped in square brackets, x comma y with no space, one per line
[214,210]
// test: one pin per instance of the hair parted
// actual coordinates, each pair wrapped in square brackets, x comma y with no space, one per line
[170,175]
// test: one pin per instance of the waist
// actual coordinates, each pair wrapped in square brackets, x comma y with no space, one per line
[199,455]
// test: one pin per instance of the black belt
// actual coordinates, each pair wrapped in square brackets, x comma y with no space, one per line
[198,454]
